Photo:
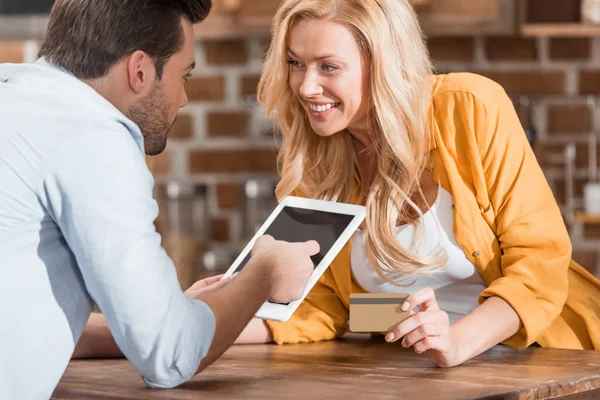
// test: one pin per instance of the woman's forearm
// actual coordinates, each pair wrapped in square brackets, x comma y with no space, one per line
[96,341]
[257,331]
[489,324]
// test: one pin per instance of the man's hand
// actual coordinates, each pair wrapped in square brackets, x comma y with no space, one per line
[290,266]
[277,270]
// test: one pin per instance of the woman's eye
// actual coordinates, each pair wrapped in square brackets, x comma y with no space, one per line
[294,64]
[330,68]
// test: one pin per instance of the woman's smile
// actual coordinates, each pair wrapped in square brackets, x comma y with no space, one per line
[322,110]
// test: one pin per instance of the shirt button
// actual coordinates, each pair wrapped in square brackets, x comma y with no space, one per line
[476,253]
[432,166]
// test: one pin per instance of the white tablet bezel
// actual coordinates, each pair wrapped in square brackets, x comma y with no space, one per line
[280,312]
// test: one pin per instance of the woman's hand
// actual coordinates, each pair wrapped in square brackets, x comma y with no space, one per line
[428,330]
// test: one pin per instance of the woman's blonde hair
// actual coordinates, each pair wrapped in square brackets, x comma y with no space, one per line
[389,37]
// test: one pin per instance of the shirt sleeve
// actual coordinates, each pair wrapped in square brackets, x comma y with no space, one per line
[534,242]
[99,192]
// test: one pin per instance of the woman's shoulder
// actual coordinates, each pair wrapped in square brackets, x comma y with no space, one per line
[467,108]
[460,87]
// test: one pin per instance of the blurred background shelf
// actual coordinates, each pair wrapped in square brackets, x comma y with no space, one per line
[587,218]
[572,30]
[22,27]
[231,19]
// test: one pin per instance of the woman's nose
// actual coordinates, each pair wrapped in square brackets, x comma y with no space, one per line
[311,86]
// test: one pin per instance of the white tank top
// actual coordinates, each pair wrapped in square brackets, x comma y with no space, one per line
[457,284]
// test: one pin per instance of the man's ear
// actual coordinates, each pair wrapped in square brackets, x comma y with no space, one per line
[141,72]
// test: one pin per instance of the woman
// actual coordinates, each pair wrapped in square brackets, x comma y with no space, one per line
[455,216]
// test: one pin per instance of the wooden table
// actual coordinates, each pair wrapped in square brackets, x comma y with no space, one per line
[355,367]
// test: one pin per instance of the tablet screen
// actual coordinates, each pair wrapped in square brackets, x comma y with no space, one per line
[294,224]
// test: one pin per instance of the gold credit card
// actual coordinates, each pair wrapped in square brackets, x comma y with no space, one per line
[376,312]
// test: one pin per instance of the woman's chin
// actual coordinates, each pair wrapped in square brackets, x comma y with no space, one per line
[325,132]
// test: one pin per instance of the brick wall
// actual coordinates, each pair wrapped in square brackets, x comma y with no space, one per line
[222,139]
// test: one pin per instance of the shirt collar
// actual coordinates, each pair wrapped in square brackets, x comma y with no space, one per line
[44,63]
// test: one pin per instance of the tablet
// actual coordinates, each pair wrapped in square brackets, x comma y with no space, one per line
[297,219]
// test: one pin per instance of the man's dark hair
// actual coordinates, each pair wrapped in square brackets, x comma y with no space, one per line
[88,37]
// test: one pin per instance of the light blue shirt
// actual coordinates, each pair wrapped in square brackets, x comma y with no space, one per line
[76,226]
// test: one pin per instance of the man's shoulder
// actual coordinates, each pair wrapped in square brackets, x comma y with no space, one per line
[50,87]
[46,104]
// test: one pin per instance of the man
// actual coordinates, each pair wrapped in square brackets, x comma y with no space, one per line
[76,207]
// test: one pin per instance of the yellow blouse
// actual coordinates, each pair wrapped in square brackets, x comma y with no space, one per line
[505,219]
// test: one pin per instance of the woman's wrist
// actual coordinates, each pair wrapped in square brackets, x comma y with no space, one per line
[488,325]
[462,349]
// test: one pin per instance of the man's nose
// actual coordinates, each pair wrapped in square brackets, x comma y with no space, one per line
[184,100]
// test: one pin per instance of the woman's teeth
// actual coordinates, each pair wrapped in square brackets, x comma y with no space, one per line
[321,107]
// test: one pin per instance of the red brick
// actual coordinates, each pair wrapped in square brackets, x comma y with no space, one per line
[221,124]
[529,82]
[570,48]
[553,10]
[591,231]
[220,230]
[543,150]
[161,164]
[569,119]
[582,158]
[183,128]
[12,52]
[451,48]
[589,82]
[510,49]
[206,88]
[232,161]
[587,259]
[229,195]
[226,52]
[250,84]
[560,193]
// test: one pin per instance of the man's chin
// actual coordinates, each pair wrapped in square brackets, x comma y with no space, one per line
[154,150]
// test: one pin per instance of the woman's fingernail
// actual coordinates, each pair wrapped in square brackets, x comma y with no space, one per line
[405,306]
[389,337]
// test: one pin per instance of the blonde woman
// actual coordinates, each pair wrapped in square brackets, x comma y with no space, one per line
[459,213]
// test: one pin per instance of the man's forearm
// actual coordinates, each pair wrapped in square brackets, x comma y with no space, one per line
[234,305]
